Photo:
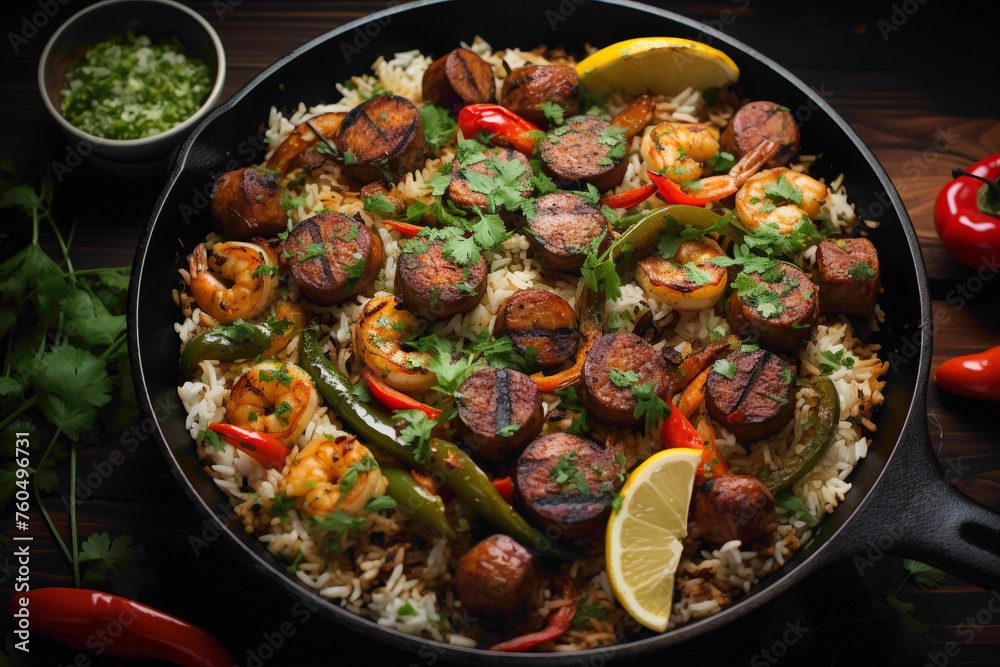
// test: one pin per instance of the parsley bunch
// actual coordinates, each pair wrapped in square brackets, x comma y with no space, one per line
[64,358]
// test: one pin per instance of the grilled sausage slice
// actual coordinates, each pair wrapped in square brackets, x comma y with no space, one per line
[762,121]
[496,577]
[458,79]
[848,275]
[758,401]
[526,88]
[611,402]
[734,507]
[245,203]
[780,314]
[493,401]
[434,287]
[565,230]
[332,257]
[465,197]
[541,320]
[585,148]
[382,139]
[567,482]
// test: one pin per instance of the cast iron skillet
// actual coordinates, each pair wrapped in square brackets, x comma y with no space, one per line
[901,502]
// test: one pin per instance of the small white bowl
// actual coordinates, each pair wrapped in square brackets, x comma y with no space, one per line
[159,19]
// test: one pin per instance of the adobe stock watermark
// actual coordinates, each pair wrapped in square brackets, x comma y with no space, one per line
[900,14]
[724,19]
[968,630]
[32,24]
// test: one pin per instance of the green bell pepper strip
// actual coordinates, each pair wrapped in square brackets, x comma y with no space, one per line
[825,431]
[646,230]
[447,463]
[239,340]
[416,500]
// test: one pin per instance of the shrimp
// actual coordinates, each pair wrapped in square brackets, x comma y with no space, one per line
[288,320]
[378,337]
[273,398]
[235,283]
[338,474]
[322,127]
[780,197]
[686,281]
[678,151]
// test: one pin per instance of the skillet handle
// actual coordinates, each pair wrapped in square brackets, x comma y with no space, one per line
[915,512]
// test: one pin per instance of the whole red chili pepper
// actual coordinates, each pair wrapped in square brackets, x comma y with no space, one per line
[404,228]
[558,621]
[672,193]
[507,128]
[629,198]
[967,213]
[393,399]
[972,375]
[87,619]
[261,447]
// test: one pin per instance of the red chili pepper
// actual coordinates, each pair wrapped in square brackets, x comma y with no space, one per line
[395,400]
[629,198]
[672,193]
[972,375]
[507,128]
[505,488]
[678,432]
[261,447]
[403,227]
[967,212]
[96,621]
[558,621]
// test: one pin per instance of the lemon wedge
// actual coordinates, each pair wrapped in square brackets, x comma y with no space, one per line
[644,536]
[658,65]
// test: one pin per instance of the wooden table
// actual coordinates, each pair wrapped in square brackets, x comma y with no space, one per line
[888,68]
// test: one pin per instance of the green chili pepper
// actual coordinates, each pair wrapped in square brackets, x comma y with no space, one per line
[239,340]
[827,425]
[373,425]
[645,232]
[416,500]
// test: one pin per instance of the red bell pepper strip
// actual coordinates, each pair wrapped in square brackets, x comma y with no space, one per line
[507,128]
[87,619]
[395,400]
[967,212]
[629,198]
[505,488]
[558,621]
[404,228]
[261,447]
[972,375]
[679,433]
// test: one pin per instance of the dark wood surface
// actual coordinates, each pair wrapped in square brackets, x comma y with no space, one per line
[919,91]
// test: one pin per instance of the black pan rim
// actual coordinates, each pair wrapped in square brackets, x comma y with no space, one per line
[772,586]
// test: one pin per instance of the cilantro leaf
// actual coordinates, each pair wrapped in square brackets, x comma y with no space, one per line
[567,475]
[791,506]
[553,112]
[92,320]
[416,432]
[569,400]
[114,564]
[725,368]
[622,379]
[439,126]
[693,274]
[923,575]
[649,404]
[722,162]
[781,191]
[861,270]
[588,610]
[380,503]
[379,203]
